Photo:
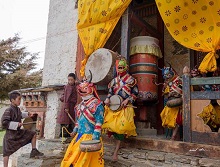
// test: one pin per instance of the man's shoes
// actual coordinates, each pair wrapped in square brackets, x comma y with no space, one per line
[35,153]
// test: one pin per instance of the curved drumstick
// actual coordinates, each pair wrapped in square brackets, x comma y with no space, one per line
[113,104]
[131,106]
[70,117]
[29,123]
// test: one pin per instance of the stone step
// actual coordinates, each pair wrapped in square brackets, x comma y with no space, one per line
[127,157]
[53,150]
[146,132]
[131,157]
[50,159]
[159,144]
[1,161]
[110,163]
[53,144]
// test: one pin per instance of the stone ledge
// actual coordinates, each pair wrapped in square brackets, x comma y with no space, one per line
[168,146]
[52,144]
[144,132]
[53,151]
[49,159]
[47,88]
[128,157]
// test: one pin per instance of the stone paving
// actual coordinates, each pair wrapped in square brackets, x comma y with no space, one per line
[128,157]
[1,161]
[140,158]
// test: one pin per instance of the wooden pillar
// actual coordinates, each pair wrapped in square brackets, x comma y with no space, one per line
[187,133]
[160,105]
[80,54]
[125,34]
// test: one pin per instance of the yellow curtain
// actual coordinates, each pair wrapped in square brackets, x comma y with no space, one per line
[97,19]
[194,24]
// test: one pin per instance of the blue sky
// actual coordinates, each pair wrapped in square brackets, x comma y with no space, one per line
[29,19]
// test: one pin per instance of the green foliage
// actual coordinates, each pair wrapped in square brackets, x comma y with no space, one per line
[2,133]
[15,67]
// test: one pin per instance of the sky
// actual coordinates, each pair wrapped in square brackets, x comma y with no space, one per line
[28,18]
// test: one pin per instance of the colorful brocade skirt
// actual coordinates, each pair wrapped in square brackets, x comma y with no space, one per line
[75,158]
[171,116]
[120,122]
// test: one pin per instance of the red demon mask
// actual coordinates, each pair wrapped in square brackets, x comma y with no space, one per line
[86,87]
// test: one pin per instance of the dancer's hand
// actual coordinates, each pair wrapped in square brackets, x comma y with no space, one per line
[30,114]
[125,102]
[107,101]
[20,124]
[73,134]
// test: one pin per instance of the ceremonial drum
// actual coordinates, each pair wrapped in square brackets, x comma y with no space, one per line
[144,54]
[90,145]
[115,102]
[175,102]
[29,124]
[101,63]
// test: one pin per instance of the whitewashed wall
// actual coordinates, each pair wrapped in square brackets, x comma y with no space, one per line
[60,56]
[61,43]
[51,128]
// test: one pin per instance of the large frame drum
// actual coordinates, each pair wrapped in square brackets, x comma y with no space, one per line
[115,103]
[101,63]
[90,145]
[144,56]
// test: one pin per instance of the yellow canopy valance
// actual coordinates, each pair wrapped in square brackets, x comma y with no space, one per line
[196,25]
[97,19]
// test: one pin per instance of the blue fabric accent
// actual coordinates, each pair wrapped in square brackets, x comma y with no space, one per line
[166,71]
[79,136]
[85,127]
[96,135]
[75,129]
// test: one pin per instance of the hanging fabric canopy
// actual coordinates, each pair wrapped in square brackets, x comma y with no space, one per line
[195,24]
[97,19]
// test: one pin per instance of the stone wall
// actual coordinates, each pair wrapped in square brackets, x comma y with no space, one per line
[51,128]
[60,56]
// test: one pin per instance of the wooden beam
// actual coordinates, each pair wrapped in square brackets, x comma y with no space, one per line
[142,23]
[125,34]
[205,81]
[48,88]
[206,138]
[198,95]
[146,10]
